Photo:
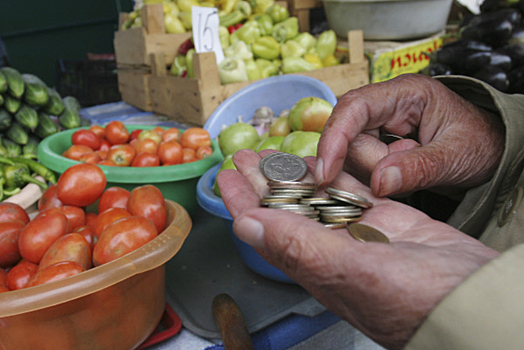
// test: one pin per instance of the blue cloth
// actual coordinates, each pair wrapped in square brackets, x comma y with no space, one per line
[288,331]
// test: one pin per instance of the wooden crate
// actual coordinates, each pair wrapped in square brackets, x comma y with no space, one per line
[192,100]
[134,46]
[133,84]
[301,9]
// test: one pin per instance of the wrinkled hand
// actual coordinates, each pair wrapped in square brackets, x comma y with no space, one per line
[384,290]
[457,145]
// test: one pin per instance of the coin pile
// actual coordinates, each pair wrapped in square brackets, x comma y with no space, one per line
[287,192]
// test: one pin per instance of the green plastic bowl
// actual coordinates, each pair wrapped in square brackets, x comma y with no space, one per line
[177,182]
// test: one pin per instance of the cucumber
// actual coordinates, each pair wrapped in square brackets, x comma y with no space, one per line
[15,83]
[6,119]
[85,121]
[1,100]
[36,91]
[54,105]
[46,125]
[3,151]
[31,146]
[11,104]
[69,119]
[72,103]
[3,83]
[13,148]
[27,116]
[17,134]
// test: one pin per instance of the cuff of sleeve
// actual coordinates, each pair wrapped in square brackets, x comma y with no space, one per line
[484,312]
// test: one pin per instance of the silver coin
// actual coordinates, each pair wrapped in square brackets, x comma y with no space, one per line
[336,207]
[349,197]
[283,166]
[319,201]
[265,159]
[291,184]
[335,225]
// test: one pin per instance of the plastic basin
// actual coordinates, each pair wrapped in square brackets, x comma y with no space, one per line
[113,306]
[177,182]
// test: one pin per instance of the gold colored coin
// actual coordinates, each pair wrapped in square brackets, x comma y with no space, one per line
[365,233]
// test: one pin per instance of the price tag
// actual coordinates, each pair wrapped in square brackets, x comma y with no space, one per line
[205,31]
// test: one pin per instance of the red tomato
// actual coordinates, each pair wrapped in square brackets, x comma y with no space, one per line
[4,289]
[99,131]
[134,134]
[171,134]
[116,133]
[85,137]
[189,155]
[121,155]
[92,158]
[19,275]
[91,218]
[76,216]
[9,236]
[106,162]
[76,151]
[159,130]
[145,159]
[107,217]
[81,184]
[55,272]
[40,233]
[104,146]
[12,211]
[87,232]
[203,152]
[71,247]
[146,145]
[113,197]
[122,237]
[170,152]
[3,277]
[195,137]
[49,198]
[148,201]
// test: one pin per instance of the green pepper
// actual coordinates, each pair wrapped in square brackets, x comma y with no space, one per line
[231,18]
[266,47]
[189,63]
[179,66]
[37,168]
[292,48]
[295,65]
[17,176]
[326,43]
[232,70]
[260,6]
[247,33]
[223,36]
[253,72]
[244,7]
[278,13]
[285,30]
[267,68]
[239,50]
[265,23]
[306,39]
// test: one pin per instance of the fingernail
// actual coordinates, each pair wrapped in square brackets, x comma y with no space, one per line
[390,180]
[319,171]
[249,231]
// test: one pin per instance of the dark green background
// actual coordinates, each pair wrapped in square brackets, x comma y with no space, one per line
[37,33]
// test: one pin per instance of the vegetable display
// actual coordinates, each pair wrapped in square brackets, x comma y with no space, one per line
[31,111]
[60,241]
[490,47]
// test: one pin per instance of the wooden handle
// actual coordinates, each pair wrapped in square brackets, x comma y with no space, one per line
[231,323]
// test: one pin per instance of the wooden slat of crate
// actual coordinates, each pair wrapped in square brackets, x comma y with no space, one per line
[192,101]
[135,45]
[133,85]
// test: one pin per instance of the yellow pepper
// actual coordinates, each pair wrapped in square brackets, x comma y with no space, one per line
[314,59]
[330,60]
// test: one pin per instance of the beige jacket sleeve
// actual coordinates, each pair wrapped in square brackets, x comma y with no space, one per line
[486,311]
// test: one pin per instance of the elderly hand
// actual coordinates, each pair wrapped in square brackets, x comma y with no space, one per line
[457,145]
[384,290]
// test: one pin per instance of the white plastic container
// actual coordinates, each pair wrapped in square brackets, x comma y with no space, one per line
[388,19]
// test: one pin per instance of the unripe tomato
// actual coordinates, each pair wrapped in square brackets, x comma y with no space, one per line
[116,133]
[150,134]
[121,237]
[148,201]
[40,233]
[85,137]
[81,184]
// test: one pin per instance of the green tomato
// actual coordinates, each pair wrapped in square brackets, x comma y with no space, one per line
[310,114]
[301,143]
[237,136]
[273,142]
[227,163]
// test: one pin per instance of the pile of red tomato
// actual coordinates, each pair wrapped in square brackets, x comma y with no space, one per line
[114,145]
[65,239]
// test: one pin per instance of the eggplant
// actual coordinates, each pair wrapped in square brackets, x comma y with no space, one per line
[468,44]
[515,51]
[516,80]
[501,60]
[495,32]
[494,76]
[512,15]
[517,37]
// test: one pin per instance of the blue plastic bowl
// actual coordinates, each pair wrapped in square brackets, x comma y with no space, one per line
[279,93]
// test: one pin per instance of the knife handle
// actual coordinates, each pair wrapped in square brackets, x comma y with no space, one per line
[231,323]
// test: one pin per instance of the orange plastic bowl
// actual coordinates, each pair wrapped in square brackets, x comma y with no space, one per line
[113,306]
